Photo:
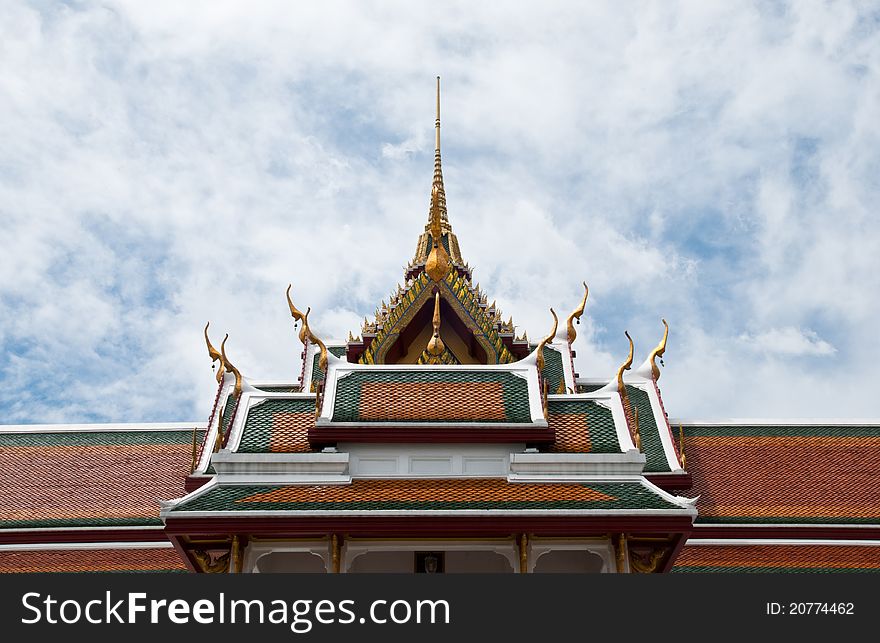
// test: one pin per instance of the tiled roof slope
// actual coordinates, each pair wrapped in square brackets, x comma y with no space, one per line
[652,447]
[427,395]
[785,474]
[99,478]
[278,426]
[428,494]
[582,426]
[91,560]
[317,371]
[778,558]
[553,370]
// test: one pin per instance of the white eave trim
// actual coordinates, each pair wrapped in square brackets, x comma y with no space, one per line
[745,422]
[282,468]
[165,506]
[83,529]
[765,525]
[101,428]
[553,466]
[763,542]
[86,546]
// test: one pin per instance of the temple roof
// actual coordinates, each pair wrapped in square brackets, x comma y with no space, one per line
[784,473]
[106,559]
[417,495]
[90,478]
[809,557]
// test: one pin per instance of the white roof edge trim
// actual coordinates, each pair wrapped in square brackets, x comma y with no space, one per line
[681,501]
[776,422]
[107,528]
[744,542]
[520,365]
[734,526]
[165,506]
[85,546]
[103,427]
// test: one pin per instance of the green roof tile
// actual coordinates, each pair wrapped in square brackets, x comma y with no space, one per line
[349,402]
[783,431]
[552,372]
[600,432]
[97,438]
[652,447]
[261,422]
[623,496]
[317,371]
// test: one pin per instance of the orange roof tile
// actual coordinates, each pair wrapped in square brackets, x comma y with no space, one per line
[757,557]
[91,560]
[784,474]
[99,478]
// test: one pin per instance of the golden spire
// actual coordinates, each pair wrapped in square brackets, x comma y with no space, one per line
[230,367]
[305,333]
[540,349]
[438,170]
[625,366]
[658,352]
[576,314]
[437,210]
[435,345]
[215,355]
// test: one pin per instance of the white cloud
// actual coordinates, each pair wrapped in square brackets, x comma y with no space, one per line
[789,341]
[711,163]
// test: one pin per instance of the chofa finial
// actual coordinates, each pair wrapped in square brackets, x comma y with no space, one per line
[215,355]
[625,366]
[305,333]
[549,338]
[658,352]
[576,314]
[230,367]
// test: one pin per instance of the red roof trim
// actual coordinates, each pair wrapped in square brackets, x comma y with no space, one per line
[429,435]
[82,536]
[437,526]
[813,532]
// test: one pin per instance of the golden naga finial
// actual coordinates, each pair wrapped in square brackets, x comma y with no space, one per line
[298,315]
[230,367]
[305,333]
[215,355]
[435,345]
[195,452]
[437,264]
[637,437]
[658,352]
[540,356]
[682,457]
[625,366]
[322,362]
[576,314]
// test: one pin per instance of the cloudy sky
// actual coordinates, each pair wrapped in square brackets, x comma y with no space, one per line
[164,164]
